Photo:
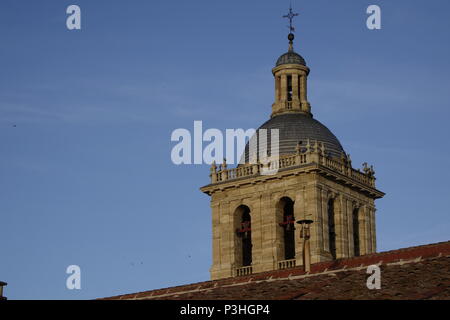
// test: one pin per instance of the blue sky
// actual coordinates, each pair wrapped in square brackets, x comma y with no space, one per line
[86,118]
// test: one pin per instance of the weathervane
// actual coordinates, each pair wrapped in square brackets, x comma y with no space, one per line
[291,15]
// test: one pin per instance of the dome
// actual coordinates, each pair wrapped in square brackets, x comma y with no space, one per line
[291,57]
[296,127]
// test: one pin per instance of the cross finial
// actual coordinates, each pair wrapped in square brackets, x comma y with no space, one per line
[291,15]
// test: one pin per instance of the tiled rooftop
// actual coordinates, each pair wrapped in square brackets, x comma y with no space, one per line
[412,273]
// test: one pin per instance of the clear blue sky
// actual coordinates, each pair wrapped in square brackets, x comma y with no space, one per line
[85,173]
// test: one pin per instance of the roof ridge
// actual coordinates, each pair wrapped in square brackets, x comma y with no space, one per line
[393,257]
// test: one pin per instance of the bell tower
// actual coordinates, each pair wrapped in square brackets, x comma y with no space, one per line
[254,214]
[290,75]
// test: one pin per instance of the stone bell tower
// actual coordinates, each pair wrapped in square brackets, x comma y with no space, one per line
[253,214]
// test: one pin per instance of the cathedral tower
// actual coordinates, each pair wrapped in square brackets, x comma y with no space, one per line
[253,214]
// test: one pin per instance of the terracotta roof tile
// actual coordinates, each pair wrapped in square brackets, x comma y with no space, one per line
[412,273]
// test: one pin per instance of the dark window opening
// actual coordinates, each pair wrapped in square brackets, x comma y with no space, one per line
[246,239]
[289,88]
[331,229]
[356,233]
[289,234]
[288,228]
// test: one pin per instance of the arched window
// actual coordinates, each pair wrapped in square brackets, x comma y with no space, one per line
[287,205]
[331,229]
[356,232]
[244,235]
[289,88]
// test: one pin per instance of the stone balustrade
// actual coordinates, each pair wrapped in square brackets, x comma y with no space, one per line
[313,153]
[286,264]
[244,271]
[289,105]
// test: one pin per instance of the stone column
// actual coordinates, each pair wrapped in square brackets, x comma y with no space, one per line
[342,230]
[313,214]
[337,225]
[303,92]
[299,212]
[317,206]
[363,230]
[351,242]
[267,233]
[303,88]
[312,209]
[278,232]
[374,231]
[326,239]
[371,238]
[369,230]
[227,251]
[284,88]
[319,221]
[277,89]
[259,229]
[295,93]
[216,241]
